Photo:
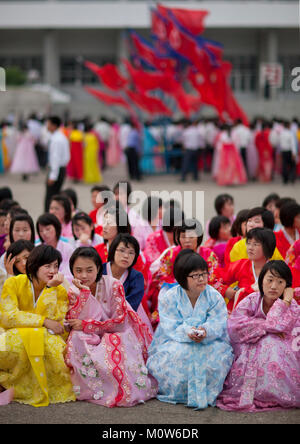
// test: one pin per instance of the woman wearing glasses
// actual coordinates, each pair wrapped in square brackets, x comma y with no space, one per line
[190,354]
[122,256]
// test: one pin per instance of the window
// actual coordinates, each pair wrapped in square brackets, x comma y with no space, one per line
[244,72]
[72,69]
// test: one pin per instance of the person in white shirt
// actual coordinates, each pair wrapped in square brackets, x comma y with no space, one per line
[58,159]
[190,141]
[288,150]
[241,136]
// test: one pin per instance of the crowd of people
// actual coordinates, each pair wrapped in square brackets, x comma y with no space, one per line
[116,307]
[231,154]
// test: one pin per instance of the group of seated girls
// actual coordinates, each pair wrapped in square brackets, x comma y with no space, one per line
[91,316]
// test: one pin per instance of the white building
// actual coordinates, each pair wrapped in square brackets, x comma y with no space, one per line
[54,36]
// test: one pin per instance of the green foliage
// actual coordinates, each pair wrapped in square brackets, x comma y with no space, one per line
[15,76]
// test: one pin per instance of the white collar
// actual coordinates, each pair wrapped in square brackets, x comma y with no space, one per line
[109,272]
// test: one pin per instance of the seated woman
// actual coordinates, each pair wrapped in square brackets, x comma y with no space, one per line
[257,217]
[244,273]
[190,354]
[160,240]
[263,330]
[32,311]
[122,256]
[293,261]
[49,230]
[16,257]
[84,231]
[219,234]
[107,347]
[290,232]
[61,208]
[188,235]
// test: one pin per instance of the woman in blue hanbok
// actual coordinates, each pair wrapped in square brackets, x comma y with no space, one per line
[190,354]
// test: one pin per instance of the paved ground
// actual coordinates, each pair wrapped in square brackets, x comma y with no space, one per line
[31,194]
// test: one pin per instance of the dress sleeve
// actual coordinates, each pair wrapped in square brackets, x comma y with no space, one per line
[243,326]
[10,315]
[222,278]
[281,318]
[118,313]
[216,321]
[171,320]
[136,291]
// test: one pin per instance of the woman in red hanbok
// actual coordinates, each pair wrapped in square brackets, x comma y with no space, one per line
[290,219]
[219,232]
[189,235]
[75,166]
[158,241]
[265,153]
[228,166]
[244,273]
[238,231]
[293,261]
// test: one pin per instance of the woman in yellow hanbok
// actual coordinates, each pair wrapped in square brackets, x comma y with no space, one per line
[91,168]
[32,312]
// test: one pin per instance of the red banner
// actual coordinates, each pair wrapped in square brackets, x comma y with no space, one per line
[192,20]
[108,74]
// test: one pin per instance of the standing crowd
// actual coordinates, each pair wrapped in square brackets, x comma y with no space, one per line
[117,307]
[231,154]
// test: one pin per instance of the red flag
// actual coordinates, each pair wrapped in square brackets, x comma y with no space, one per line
[191,19]
[108,74]
[152,105]
[107,98]
[148,53]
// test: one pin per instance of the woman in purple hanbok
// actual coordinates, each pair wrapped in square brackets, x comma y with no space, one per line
[264,330]
[107,348]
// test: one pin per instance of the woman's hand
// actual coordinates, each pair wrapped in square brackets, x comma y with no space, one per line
[76,324]
[197,334]
[79,285]
[288,295]
[57,280]
[55,326]
[9,263]
[230,293]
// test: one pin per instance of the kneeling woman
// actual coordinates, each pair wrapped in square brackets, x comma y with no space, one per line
[190,354]
[264,330]
[32,311]
[107,348]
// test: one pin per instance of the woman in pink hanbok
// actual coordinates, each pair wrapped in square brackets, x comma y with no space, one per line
[107,347]
[113,154]
[228,165]
[25,160]
[264,330]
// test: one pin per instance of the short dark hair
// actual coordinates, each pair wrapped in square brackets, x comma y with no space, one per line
[123,184]
[39,256]
[266,215]
[81,216]
[288,212]
[71,194]
[89,253]
[278,269]
[21,218]
[186,262]
[150,208]
[126,239]
[16,248]
[55,120]
[266,237]
[221,200]
[282,201]
[215,225]
[120,215]
[7,204]
[236,228]
[189,224]
[172,218]
[273,197]
[48,219]
[5,193]
[64,201]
